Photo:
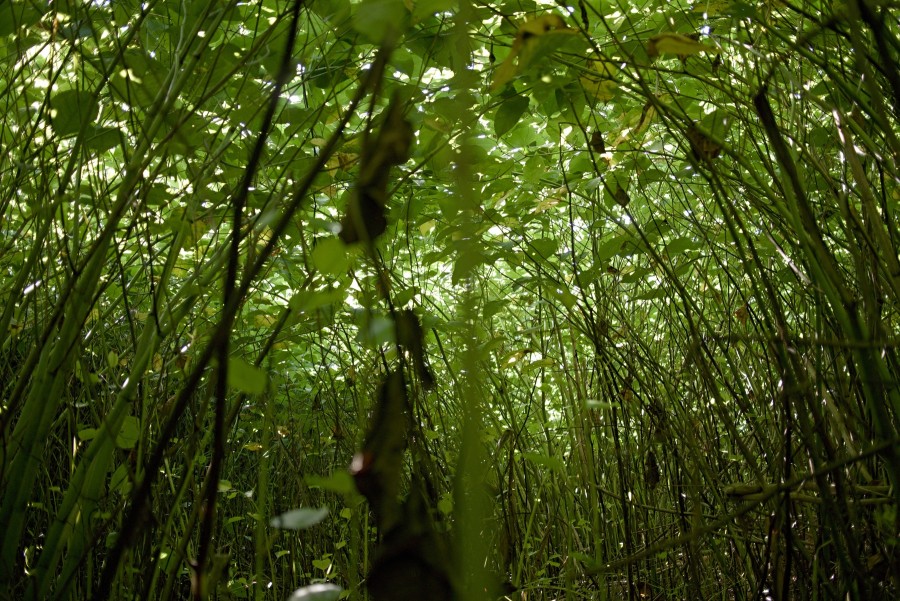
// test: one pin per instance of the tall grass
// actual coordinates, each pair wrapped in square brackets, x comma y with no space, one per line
[665,370]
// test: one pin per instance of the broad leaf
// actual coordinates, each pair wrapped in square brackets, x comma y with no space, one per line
[245,377]
[509,113]
[317,592]
[70,110]
[299,519]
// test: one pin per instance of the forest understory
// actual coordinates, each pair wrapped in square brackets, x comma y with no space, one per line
[449,300]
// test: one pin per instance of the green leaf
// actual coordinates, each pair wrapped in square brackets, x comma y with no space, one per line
[378,19]
[332,11]
[657,292]
[565,297]
[675,43]
[552,463]
[538,364]
[299,519]
[17,15]
[101,139]
[543,46]
[379,330]
[466,263]
[70,109]
[310,300]
[681,244]
[119,481]
[743,10]
[129,433]
[581,164]
[330,257]
[245,377]
[445,504]
[546,247]
[509,113]
[535,167]
[87,434]
[403,297]
[339,482]
[426,8]
[610,248]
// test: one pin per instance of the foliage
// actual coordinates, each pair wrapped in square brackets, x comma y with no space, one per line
[361,298]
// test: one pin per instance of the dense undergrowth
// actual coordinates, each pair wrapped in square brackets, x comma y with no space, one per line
[437,300]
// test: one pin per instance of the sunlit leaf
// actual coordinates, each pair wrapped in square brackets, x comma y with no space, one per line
[545,247]
[426,8]
[599,405]
[15,15]
[714,7]
[317,592]
[299,519]
[680,245]
[599,80]
[310,300]
[529,45]
[339,482]
[676,43]
[330,257]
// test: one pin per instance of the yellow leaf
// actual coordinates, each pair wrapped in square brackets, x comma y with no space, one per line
[540,26]
[599,80]
[426,227]
[525,36]
[631,125]
[438,123]
[264,321]
[342,160]
[675,43]
[647,115]
[506,71]
[703,147]
[546,204]
[512,358]
[600,90]
[602,69]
